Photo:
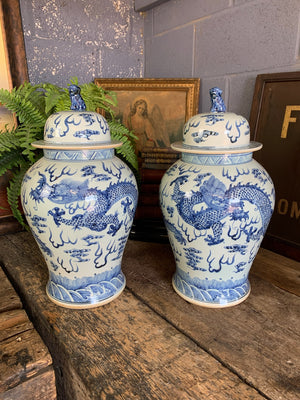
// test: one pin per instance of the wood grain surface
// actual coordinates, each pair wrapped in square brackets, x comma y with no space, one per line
[151,344]
[26,371]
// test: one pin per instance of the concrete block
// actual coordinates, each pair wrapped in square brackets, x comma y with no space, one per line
[148,24]
[179,12]
[67,38]
[241,90]
[121,64]
[56,62]
[170,55]
[255,36]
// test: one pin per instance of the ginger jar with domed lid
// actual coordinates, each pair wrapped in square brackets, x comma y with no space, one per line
[79,201]
[217,202]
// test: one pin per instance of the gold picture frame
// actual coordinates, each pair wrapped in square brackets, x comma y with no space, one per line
[170,103]
[167,104]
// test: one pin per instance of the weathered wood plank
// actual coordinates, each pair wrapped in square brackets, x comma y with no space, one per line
[9,300]
[281,271]
[259,339]
[26,370]
[41,387]
[122,350]
[13,323]
[22,357]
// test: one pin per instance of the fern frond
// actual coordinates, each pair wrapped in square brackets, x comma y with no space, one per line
[96,97]
[127,150]
[33,94]
[26,135]
[8,141]
[128,155]
[63,101]
[10,160]
[120,130]
[13,193]
[53,94]
[27,113]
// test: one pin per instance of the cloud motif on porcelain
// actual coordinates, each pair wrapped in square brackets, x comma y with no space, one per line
[81,202]
[62,124]
[199,128]
[226,212]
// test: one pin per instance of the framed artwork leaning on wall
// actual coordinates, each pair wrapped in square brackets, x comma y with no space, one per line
[156,111]
[275,122]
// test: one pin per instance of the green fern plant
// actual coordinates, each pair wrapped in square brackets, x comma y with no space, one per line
[32,105]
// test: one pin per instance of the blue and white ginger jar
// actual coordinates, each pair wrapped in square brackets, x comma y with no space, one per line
[79,201]
[217,202]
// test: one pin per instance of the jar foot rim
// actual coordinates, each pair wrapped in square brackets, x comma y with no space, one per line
[84,305]
[221,304]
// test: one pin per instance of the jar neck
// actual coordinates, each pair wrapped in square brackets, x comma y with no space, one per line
[78,155]
[217,159]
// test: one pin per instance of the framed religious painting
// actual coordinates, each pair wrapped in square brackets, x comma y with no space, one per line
[13,72]
[275,122]
[156,111]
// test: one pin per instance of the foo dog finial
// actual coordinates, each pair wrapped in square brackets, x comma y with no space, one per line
[77,102]
[217,103]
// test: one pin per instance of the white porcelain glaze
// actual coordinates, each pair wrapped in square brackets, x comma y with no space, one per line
[217,205]
[79,201]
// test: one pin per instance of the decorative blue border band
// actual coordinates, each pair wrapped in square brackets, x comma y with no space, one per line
[217,159]
[88,290]
[217,293]
[78,155]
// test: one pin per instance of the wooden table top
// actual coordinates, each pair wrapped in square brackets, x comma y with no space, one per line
[149,343]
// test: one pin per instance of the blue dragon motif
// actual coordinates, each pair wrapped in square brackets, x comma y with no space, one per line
[207,207]
[98,217]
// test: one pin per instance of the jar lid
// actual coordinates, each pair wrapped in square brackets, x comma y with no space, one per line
[217,132]
[77,128]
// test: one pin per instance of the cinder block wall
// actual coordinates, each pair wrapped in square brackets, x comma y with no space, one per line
[86,38]
[226,43]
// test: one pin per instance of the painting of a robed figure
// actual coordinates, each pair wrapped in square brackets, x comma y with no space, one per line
[156,111]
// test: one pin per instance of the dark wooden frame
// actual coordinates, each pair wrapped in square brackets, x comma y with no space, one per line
[146,5]
[258,114]
[14,39]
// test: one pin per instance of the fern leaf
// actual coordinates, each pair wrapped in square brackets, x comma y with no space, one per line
[13,193]
[96,97]
[33,94]
[8,141]
[28,134]
[52,96]
[63,101]
[127,150]
[24,109]
[10,160]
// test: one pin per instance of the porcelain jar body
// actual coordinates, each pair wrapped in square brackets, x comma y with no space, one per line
[216,209]
[80,207]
